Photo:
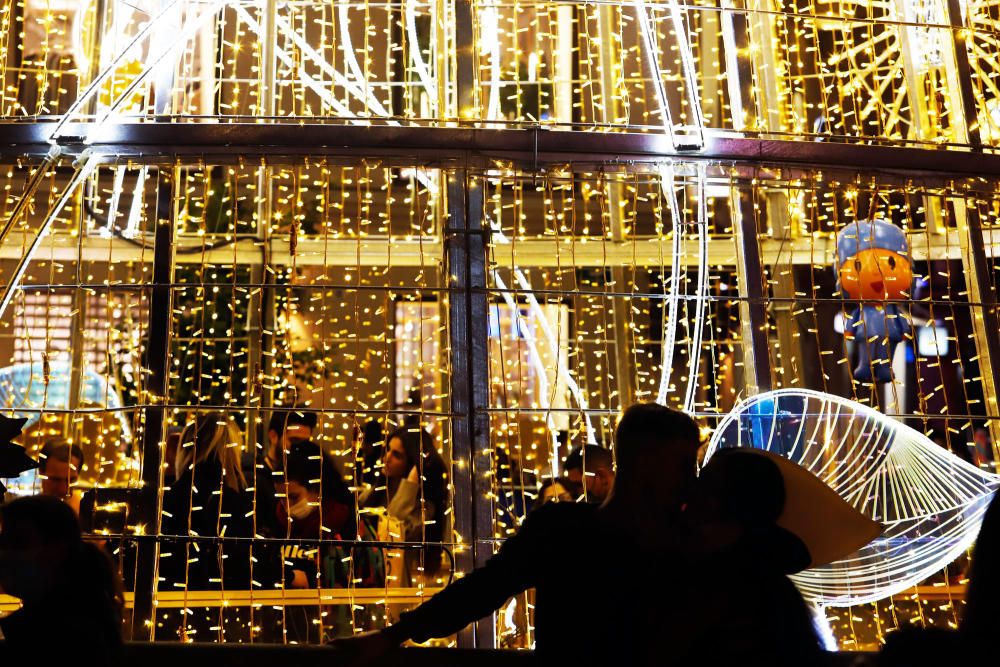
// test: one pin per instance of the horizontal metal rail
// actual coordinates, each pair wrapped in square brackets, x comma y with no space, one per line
[533,252]
[469,146]
[298,597]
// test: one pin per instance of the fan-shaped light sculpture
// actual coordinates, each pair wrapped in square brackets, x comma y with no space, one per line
[930,501]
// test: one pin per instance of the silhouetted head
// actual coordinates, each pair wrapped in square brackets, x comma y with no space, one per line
[59,465]
[288,426]
[656,455]
[212,438]
[590,469]
[70,590]
[38,535]
[741,495]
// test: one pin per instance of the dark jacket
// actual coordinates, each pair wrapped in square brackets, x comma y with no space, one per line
[193,506]
[573,560]
[77,622]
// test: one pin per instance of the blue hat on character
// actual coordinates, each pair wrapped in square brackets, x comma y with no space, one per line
[868,235]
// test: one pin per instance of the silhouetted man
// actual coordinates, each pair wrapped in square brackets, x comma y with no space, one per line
[591,469]
[585,561]
[284,429]
[71,595]
[59,468]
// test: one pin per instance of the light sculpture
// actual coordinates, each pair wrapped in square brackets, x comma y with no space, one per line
[930,501]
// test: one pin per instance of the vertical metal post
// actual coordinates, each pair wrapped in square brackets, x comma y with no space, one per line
[465,261]
[739,66]
[984,310]
[760,28]
[155,393]
[465,61]
[750,274]
[465,255]
[985,319]
[967,126]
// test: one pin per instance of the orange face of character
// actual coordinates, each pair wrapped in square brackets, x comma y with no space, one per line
[876,275]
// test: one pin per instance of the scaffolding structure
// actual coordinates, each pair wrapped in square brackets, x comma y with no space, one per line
[527,215]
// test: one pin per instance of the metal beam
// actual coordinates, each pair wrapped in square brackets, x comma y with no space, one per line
[979,277]
[525,252]
[155,398]
[281,143]
[465,252]
[753,309]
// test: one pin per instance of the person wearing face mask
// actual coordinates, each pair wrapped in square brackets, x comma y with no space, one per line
[314,504]
[69,589]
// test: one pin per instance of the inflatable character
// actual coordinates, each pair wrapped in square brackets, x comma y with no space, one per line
[874,269]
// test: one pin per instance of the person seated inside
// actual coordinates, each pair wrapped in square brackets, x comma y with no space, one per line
[59,464]
[208,500]
[554,490]
[286,427]
[585,561]
[591,470]
[413,492]
[70,592]
[314,503]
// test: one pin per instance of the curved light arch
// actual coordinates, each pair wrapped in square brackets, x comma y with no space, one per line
[930,501]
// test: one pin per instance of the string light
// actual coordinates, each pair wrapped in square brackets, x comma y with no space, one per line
[321,283]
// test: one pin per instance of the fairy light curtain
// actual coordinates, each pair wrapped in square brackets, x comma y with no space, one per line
[321,282]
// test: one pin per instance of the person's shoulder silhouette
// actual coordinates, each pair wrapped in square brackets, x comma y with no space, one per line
[68,588]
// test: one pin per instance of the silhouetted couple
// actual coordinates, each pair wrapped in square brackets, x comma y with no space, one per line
[70,593]
[640,579]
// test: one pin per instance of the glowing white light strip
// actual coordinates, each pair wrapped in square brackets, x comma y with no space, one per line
[550,338]
[670,332]
[135,211]
[652,50]
[929,501]
[95,85]
[423,72]
[535,359]
[116,190]
[291,63]
[690,71]
[82,172]
[694,356]
[190,28]
[366,96]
